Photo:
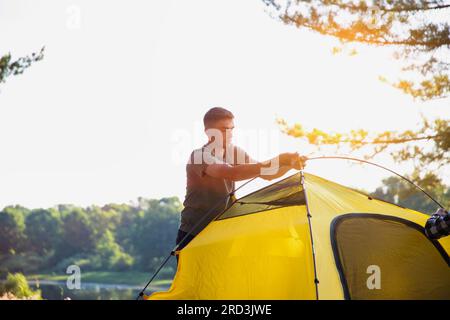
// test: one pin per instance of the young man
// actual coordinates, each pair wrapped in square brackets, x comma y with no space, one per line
[213,169]
[438,225]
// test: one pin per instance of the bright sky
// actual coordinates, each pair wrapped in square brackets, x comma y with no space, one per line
[115,108]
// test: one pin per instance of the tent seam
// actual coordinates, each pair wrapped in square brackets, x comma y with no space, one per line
[309,216]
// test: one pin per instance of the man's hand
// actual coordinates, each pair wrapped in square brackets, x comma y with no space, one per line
[287,159]
[292,160]
[300,163]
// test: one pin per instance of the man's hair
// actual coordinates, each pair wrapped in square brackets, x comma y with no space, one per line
[216,114]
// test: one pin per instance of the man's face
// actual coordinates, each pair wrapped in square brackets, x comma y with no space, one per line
[221,130]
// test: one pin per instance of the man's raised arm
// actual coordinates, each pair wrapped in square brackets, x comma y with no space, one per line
[268,170]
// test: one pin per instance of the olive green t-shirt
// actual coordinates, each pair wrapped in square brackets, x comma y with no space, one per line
[206,195]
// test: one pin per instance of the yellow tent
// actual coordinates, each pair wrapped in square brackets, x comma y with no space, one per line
[308,238]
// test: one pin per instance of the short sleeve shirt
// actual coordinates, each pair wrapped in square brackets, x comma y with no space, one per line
[206,195]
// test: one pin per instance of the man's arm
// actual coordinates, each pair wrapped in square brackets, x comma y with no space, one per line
[278,166]
[438,225]
[281,172]
[234,173]
[267,170]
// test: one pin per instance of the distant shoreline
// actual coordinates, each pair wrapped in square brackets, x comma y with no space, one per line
[95,285]
[109,279]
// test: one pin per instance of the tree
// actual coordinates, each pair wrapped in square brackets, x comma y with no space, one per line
[428,147]
[113,237]
[16,285]
[126,226]
[155,230]
[411,27]
[12,229]
[111,255]
[78,234]
[103,219]
[9,67]
[398,191]
[43,230]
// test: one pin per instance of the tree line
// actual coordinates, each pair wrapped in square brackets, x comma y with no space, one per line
[114,237]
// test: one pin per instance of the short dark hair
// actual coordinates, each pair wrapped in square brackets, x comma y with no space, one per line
[216,114]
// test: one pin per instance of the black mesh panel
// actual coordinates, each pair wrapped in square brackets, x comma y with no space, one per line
[410,265]
[287,192]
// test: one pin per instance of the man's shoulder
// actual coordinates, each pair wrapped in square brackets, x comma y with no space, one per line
[207,153]
[197,155]
[197,151]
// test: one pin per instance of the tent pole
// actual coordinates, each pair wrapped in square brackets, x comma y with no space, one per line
[316,280]
[380,166]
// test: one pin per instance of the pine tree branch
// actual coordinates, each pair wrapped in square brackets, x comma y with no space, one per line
[364,8]
[352,35]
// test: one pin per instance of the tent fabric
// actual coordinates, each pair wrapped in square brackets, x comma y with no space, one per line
[261,248]
[257,256]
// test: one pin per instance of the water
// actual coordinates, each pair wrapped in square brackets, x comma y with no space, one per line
[92,291]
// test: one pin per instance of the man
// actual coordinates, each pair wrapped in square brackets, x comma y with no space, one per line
[213,169]
[438,225]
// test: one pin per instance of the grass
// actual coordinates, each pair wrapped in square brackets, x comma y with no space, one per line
[106,277]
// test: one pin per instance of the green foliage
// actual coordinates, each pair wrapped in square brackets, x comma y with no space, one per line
[397,190]
[9,67]
[157,225]
[78,233]
[24,262]
[17,285]
[43,228]
[115,237]
[428,147]
[419,37]
[86,262]
[111,254]
[12,227]
[437,134]
[420,40]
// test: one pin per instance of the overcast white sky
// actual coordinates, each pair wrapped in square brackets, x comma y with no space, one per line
[124,85]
